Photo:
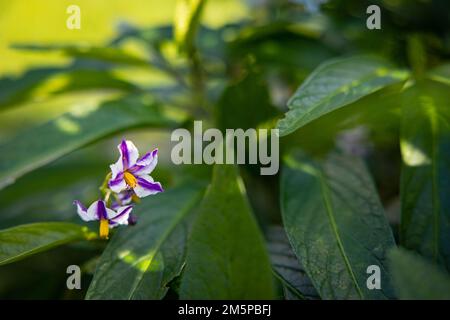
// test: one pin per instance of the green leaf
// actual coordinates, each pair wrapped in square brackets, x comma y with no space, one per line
[40,145]
[335,84]
[187,19]
[441,74]
[415,278]
[292,275]
[336,225]
[104,54]
[141,260]
[245,104]
[278,46]
[226,256]
[425,181]
[22,241]
[17,89]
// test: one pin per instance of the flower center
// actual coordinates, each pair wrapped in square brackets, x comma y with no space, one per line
[130,179]
[104,228]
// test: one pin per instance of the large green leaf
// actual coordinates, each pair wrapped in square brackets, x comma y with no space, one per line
[226,257]
[42,144]
[425,182]
[336,225]
[296,283]
[22,241]
[140,261]
[335,84]
[416,278]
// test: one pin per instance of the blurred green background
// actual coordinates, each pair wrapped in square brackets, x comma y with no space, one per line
[269,49]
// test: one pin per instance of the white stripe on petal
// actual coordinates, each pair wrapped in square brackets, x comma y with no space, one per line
[128,151]
[146,186]
[92,212]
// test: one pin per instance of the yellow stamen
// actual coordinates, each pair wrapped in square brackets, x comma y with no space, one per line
[130,179]
[104,228]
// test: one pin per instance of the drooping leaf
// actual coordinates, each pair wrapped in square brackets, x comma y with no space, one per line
[187,20]
[22,241]
[18,89]
[335,84]
[40,145]
[278,46]
[105,54]
[336,225]
[226,256]
[296,283]
[141,260]
[150,36]
[425,182]
[92,79]
[379,121]
[415,278]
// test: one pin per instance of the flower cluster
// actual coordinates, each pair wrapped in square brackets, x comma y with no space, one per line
[128,181]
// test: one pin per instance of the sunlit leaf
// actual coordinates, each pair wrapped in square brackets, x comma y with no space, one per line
[415,278]
[187,19]
[226,256]
[40,145]
[141,260]
[336,225]
[22,241]
[245,104]
[92,79]
[336,84]
[18,89]
[425,183]
[105,54]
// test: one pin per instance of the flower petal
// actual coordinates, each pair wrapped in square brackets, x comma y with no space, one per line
[129,153]
[146,164]
[125,197]
[97,210]
[121,216]
[83,212]
[146,186]
[118,184]
[116,168]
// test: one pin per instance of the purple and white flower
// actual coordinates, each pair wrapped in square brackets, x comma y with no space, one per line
[132,172]
[123,198]
[108,218]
